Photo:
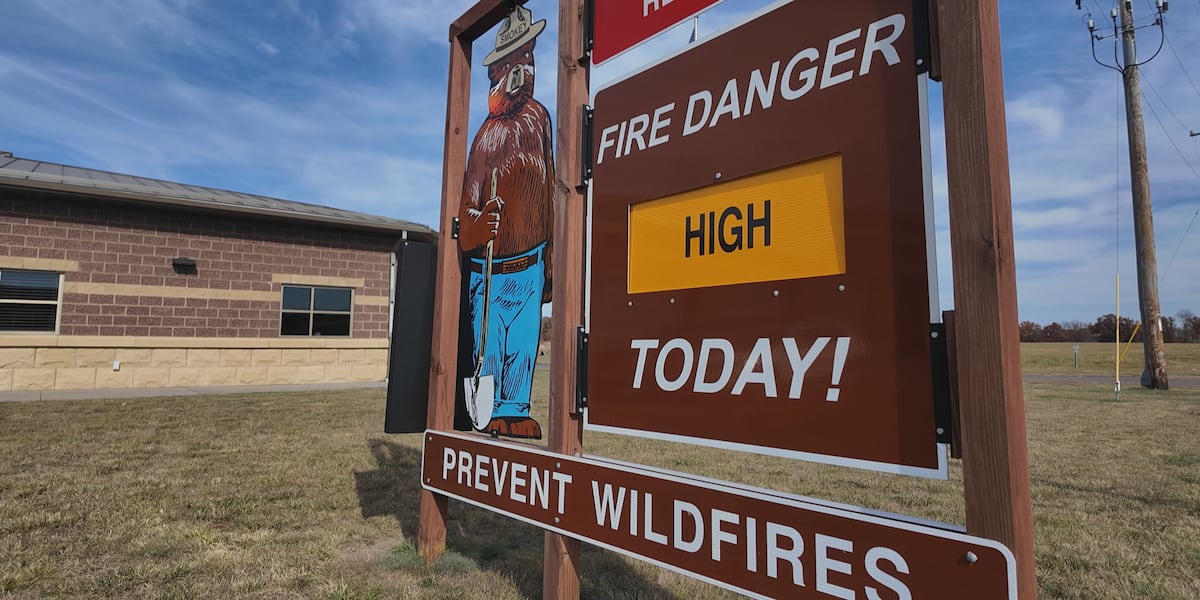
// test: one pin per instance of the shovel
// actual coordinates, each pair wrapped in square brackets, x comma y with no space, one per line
[480,390]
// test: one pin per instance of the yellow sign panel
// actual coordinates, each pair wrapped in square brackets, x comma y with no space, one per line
[782,224]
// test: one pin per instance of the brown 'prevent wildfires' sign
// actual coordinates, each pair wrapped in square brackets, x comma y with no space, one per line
[751,541]
[760,266]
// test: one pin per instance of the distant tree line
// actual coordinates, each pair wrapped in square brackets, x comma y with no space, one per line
[1183,327]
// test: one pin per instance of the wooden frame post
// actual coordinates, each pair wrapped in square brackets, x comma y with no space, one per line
[561,556]
[443,364]
[995,457]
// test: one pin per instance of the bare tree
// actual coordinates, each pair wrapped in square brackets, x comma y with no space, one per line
[1030,331]
[1189,326]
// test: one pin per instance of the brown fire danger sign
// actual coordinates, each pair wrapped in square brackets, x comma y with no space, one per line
[759,277]
[750,541]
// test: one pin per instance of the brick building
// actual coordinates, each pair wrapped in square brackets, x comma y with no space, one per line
[115,281]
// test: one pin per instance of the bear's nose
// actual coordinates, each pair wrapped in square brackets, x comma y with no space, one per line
[516,79]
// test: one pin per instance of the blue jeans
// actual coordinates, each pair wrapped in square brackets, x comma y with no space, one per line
[513,328]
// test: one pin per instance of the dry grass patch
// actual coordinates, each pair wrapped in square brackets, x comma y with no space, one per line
[1115,491]
[302,496]
[251,496]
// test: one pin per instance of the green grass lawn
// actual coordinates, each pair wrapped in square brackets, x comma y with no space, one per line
[1100,359]
[301,495]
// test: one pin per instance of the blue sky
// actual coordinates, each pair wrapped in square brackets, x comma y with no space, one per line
[342,103]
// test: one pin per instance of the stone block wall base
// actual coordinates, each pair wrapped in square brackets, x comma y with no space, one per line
[38,369]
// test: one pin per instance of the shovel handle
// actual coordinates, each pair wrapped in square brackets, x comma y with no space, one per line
[487,290]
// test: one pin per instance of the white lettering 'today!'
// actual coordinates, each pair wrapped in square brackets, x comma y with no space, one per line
[758,368]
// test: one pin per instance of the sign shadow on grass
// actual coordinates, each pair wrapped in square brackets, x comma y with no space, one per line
[393,487]
[492,541]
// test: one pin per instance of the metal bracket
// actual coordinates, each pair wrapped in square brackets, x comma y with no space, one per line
[925,39]
[589,31]
[585,153]
[940,355]
[455,224]
[581,370]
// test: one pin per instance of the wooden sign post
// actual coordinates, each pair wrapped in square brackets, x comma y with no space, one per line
[561,559]
[995,458]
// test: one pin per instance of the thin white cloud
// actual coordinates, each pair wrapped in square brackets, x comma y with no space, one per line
[1044,120]
[266,48]
[1055,217]
[406,22]
[386,184]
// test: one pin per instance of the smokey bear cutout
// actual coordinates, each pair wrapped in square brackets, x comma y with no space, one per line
[505,220]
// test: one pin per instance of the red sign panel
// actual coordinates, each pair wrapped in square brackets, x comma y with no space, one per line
[749,541]
[760,265]
[623,24]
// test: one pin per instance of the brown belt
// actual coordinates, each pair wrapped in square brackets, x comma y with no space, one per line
[505,267]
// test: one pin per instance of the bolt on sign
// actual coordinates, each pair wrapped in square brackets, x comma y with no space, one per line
[623,24]
[761,243]
[751,541]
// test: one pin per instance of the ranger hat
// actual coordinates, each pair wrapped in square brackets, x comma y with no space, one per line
[517,29]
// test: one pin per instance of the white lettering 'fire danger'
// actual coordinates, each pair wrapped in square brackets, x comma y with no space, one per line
[712,367]
[790,78]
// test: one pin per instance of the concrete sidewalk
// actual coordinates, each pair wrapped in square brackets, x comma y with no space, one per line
[179,391]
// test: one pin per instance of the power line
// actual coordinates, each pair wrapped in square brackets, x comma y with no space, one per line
[1169,138]
[1164,103]
[1121,30]
[1178,60]
[1186,162]
[1185,234]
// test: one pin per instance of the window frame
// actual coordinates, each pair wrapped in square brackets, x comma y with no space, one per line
[311,312]
[57,302]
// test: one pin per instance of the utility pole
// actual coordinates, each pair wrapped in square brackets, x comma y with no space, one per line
[1154,374]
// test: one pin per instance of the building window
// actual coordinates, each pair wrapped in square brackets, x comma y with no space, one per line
[310,310]
[29,300]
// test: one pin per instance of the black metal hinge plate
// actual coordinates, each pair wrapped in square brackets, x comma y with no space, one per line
[455,224]
[925,41]
[589,31]
[941,382]
[585,151]
[581,370]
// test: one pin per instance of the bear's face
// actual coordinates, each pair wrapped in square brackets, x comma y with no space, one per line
[512,80]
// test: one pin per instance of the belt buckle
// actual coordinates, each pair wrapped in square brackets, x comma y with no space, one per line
[515,265]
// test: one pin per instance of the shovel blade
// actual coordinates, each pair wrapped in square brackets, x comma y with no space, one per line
[480,396]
